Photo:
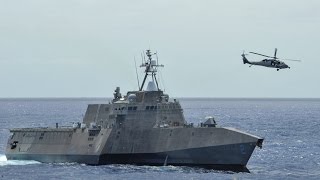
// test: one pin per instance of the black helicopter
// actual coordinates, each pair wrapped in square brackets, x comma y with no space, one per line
[273,62]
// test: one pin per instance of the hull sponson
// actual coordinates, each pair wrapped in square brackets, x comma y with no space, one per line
[226,155]
[174,139]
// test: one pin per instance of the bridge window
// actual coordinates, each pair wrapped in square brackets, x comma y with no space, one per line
[151,107]
[132,108]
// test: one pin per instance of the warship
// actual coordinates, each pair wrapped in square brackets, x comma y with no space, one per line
[143,127]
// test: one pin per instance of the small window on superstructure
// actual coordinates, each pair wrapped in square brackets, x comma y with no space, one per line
[135,108]
[147,107]
[130,108]
[151,107]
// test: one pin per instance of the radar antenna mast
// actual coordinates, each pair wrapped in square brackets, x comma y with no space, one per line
[150,69]
[135,65]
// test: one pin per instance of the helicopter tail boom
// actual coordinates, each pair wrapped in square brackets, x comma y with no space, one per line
[245,60]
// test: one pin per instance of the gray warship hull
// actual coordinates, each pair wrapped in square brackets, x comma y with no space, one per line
[220,160]
[143,127]
[216,148]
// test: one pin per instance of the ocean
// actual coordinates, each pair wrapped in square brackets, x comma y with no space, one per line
[291,128]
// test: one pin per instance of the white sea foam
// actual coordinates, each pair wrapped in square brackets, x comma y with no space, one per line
[3,158]
[5,162]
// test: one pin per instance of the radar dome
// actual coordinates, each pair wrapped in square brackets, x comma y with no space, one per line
[132,98]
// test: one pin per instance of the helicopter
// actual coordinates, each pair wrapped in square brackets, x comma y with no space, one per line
[273,62]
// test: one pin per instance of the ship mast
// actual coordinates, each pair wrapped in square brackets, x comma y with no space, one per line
[150,69]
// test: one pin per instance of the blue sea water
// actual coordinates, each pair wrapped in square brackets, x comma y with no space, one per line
[291,128]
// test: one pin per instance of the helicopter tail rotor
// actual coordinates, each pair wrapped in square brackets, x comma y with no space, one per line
[245,60]
[275,53]
[243,54]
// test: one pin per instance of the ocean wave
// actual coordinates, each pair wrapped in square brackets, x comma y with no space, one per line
[5,162]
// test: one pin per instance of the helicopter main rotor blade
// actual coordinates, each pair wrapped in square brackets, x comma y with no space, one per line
[291,60]
[260,54]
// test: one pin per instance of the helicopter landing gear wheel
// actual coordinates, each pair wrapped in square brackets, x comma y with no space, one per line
[277,69]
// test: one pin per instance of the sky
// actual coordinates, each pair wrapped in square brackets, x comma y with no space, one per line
[86,48]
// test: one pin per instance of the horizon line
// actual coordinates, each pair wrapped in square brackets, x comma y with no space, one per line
[188,97]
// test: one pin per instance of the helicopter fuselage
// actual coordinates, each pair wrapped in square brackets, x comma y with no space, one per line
[272,63]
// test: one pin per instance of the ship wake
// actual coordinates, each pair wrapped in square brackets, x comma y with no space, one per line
[5,162]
